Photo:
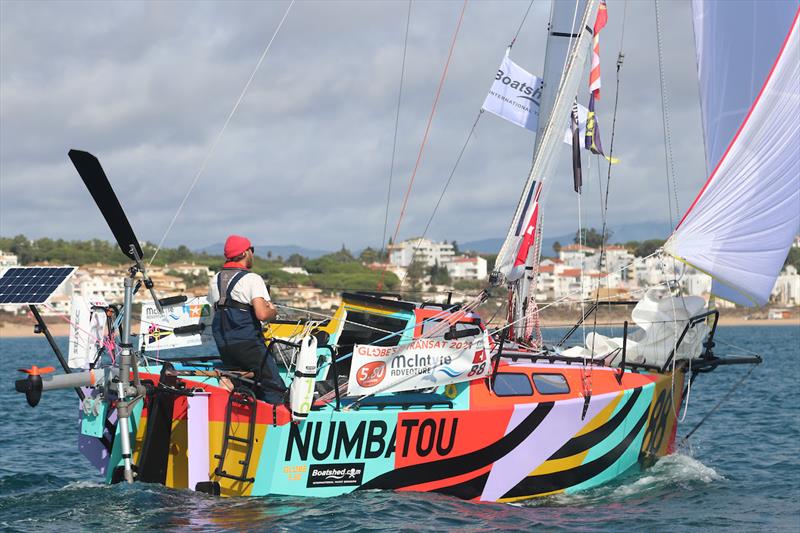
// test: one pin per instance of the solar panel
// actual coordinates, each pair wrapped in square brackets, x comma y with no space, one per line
[31,285]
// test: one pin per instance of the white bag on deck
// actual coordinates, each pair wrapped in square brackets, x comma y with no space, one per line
[661,319]
[301,392]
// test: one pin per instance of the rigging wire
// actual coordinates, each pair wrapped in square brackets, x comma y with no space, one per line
[444,190]
[573,292]
[521,24]
[461,153]
[396,124]
[430,121]
[571,37]
[604,201]
[669,160]
[669,163]
[221,132]
[717,405]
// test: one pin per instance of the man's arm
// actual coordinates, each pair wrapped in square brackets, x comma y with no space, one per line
[263,309]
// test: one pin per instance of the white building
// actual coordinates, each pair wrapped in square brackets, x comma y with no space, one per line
[295,270]
[576,254]
[471,268]
[424,250]
[787,287]
[7,260]
[618,260]
[188,269]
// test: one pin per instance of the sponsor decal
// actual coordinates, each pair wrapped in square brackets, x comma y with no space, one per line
[515,95]
[371,374]
[370,440]
[420,364]
[324,440]
[159,327]
[335,475]
[295,472]
[451,391]
[423,436]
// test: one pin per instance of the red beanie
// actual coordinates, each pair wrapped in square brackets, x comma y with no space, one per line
[236,245]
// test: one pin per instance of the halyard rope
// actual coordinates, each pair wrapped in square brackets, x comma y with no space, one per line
[221,132]
[427,128]
[396,124]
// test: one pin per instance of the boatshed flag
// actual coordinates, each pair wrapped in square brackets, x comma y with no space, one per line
[515,95]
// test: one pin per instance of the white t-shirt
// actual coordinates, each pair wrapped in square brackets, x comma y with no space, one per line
[248,287]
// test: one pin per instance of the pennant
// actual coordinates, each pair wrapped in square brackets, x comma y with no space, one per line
[599,24]
[591,138]
[583,116]
[528,237]
[515,95]
[576,149]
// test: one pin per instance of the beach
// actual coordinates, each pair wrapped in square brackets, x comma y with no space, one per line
[23,327]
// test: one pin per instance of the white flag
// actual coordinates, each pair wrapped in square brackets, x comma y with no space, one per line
[583,112]
[158,331]
[87,325]
[515,95]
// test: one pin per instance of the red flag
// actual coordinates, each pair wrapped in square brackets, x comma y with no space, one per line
[594,74]
[528,237]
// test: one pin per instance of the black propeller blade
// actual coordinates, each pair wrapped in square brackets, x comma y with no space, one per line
[96,181]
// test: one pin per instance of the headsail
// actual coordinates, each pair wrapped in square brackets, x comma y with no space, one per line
[550,136]
[736,48]
[742,223]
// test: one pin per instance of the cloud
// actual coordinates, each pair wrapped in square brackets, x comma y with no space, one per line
[146,86]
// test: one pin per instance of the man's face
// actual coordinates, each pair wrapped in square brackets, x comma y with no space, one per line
[248,258]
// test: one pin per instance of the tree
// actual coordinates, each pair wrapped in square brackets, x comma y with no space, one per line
[455,248]
[415,273]
[369,255]
[647,247]
[439,275]
[342,256]
[557,247]
[296,260]
[591,237]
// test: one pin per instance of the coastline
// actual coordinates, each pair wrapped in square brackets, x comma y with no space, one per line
[61,329]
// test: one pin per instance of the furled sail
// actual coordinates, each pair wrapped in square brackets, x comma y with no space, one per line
[549,138]
[742,223]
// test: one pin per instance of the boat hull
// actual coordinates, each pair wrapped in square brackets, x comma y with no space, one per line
[465,440]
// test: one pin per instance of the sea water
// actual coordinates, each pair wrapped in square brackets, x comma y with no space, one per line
[740,471]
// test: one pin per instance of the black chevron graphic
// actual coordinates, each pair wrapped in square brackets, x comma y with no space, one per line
[588,440]
[533,485]
[462,464]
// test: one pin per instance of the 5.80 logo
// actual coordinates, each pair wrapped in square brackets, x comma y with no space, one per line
[371,374]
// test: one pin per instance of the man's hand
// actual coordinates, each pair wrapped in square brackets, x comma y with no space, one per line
[263,309]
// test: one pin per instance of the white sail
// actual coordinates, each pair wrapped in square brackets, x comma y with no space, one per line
[736,48]
[549,141]
[741,225]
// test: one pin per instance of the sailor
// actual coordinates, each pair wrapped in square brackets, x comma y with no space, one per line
[241,302]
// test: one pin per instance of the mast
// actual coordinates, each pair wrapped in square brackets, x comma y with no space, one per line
[562,31]
[568,42]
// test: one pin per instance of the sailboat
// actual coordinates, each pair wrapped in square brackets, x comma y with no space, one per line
[416,396]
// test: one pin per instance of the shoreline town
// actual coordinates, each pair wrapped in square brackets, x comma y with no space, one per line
[437,268]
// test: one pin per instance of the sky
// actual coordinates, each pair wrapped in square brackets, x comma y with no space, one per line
[147,87]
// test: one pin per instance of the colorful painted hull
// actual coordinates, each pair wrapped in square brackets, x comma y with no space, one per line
[465,440]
